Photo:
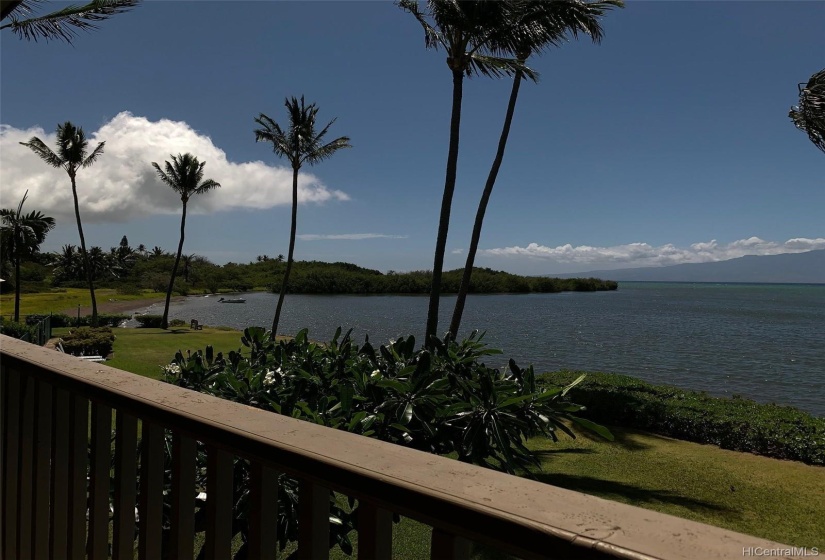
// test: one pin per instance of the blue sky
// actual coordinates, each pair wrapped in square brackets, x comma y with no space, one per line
[667,143]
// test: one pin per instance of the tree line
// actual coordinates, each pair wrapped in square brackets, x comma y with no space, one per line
[134,270]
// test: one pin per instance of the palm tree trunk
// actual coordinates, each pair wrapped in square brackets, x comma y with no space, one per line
[164,323]
[455,323]
[83,251]
[16,255]
[446,203]
[292,230]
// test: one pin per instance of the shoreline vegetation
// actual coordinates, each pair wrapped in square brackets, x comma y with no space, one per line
[150,273]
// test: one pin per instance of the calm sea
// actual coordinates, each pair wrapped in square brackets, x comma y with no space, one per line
[765,342]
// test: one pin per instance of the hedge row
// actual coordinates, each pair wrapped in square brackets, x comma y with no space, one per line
[63,320]
[149,321]
[15,330]
[734,423]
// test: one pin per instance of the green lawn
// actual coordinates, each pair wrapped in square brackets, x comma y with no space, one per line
[145,351]
[778,500]
[54,301]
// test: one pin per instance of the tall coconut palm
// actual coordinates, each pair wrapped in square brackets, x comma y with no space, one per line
[809,115]
[539,24]
[185,176]
[72,154]
[477,37]
[22,235]
[62,24]
[300,143]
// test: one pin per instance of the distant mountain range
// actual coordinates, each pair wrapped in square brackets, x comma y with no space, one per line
[791,268]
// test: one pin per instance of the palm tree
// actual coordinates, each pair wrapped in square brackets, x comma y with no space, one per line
[185,176]
[547,23]
[475,35]
[72,154]
[66,264]
[62,24]
[299,144]
[809,115]
[22,235]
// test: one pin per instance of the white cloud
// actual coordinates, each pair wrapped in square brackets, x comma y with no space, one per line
[457,251]
[123,186]
[643,254]
[348,236]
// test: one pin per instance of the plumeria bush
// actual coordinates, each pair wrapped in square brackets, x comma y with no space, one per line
[444,401]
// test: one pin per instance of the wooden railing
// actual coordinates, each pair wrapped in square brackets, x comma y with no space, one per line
[56,407]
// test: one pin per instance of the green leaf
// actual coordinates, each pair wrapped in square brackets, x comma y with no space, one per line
[573,384]
[593,427]
[406,414]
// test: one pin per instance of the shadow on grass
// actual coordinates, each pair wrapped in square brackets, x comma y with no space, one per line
[636,495]
[549,453]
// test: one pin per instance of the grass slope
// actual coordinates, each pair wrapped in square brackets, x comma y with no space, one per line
[779,500]
[63,300]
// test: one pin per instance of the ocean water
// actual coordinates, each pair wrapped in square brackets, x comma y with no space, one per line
[765,342]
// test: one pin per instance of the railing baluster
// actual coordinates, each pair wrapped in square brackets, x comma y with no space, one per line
[182,538]
[313,521]
[123,542]
[150,505]
[99,482]
[78,482]
[4,380]
[11,456]
[42,471]
[26,461]
[219,511]
[374,532]
[263,512]
[59,526]
[447,546]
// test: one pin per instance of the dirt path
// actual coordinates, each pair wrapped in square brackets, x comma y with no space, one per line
[122,307]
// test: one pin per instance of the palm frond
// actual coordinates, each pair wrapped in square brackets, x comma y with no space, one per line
[44,152]
[183,174]
[497,67]
[432,37]
[163,176]
[65,23]
[272,132]
[98,151]
[300,143]
[324,152]
[206,186]
[809,115]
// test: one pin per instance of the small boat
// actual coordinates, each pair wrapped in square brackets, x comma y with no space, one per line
[232,300]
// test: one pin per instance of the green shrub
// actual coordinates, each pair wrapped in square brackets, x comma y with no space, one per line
[62,320]
[444,401]
[149,321]
[177,323]
[734,423]
[16,329]
[89,341]
[103,320]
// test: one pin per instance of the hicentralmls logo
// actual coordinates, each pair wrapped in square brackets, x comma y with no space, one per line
[780,552]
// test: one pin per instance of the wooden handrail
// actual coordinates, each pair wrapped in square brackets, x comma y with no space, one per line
[523,517]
